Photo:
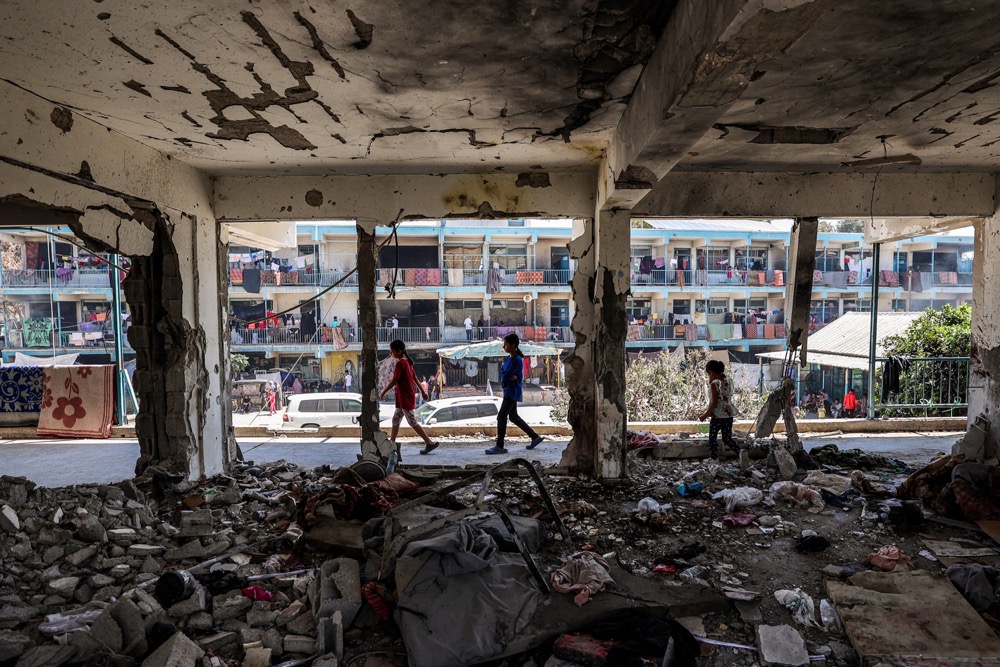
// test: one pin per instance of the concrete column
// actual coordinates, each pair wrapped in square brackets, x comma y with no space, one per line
[595,374]
[799,281]
[984,376]
[375,446]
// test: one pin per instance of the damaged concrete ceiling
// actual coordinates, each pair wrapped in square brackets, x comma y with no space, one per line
[430,87]
[362,87]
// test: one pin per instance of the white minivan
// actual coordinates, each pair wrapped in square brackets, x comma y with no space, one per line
[318,410]
[466,411]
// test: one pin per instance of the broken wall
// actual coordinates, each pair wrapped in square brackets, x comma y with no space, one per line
[119,196]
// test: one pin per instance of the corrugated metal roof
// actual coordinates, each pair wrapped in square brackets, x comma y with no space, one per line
[844,342]
[774,226]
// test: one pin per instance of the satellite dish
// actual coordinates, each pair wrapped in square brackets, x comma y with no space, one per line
[527,298]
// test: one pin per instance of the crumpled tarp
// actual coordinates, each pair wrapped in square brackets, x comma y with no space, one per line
[887,558]
[979,584]
[976,489]
[583,573]
[855,459]
[461,600]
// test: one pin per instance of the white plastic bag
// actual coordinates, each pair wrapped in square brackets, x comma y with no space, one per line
[743,496]
[800,604]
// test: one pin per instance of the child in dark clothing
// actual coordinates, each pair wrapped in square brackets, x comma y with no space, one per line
[511,377]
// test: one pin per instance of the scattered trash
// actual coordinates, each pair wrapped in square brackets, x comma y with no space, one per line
[744,496]
[650,510]
[830,618]
[739,520]
[888,558]
[690,489]
[800,604]
[665,568]
[257,593]
[799,495]
[979,584]
[583,573]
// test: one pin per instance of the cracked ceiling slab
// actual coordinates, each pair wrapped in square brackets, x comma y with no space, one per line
[372,87]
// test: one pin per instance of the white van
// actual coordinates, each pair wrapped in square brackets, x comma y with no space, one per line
[466,411]
[317,410]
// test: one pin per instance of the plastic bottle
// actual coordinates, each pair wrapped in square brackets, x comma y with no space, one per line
[831,619]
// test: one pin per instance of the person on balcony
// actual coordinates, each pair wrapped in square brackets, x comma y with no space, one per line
[481,326]
[468,328]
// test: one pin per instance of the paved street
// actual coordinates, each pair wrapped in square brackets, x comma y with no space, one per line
[67,462]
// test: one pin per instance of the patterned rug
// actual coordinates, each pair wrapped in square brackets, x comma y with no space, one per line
[21,388]
[78,401]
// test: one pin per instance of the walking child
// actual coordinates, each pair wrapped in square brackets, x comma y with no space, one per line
[720,409]
[404,379]
[511,377]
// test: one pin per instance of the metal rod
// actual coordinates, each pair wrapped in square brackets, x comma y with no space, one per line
[116,313]
[873,334]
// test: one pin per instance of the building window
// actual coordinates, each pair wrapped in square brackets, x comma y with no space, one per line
[899,262]
[857,305]
[464,257]
[456,310]
[752,259]
[508,312]
[716,306]
[713,258]
[510,257]
[682,307]
[899,305]
[744,306]
[823,311]
[638,309]
[828,260]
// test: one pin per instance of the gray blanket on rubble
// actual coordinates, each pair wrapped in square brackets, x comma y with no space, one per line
[461,600]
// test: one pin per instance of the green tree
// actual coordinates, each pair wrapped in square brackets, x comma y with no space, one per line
[238,362]
[851,226]
[935,333]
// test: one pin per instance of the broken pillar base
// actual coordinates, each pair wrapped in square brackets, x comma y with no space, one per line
[378,449]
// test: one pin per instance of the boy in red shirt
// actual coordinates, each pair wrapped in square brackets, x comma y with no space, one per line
[404,380]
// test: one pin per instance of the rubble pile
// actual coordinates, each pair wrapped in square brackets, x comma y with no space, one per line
[279,565]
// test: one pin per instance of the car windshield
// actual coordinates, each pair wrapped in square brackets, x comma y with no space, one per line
[423,412]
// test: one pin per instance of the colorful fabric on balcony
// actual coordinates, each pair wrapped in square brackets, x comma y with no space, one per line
[530,277]
[752,330]
[891,279]
[38,332]
[21,388]
[690,332]
[236,276]
[852,277]
[267,277]
[78,401]
[948,278]
[817,277]
[780,331]
[779,278]
[769,331]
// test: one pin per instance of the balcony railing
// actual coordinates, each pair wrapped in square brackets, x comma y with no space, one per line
[952,279]
[923,385]
[80,337]
[703,278]
[241,335]
[714,333]
[414,278]
[56,278]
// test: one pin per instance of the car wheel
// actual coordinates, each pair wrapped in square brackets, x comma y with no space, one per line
[309,426]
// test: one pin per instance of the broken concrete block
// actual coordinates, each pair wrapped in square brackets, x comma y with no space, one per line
[122,536]
[781,645]
[257,657]
[329,660]
[143,550]
[47,656]
[219,641]
[291,612]
[197,602]
[259,618]
[193,550]
[196,524]
[129,619]
[230,607]
[107,631]
[12,645]
[785,462]
[77,558]
[340,589]
[63,586]
[201,621]
[92,530]
[299,644]
[8,520]
[178,651]
[17,614]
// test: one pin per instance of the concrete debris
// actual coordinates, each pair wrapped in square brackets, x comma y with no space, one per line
[243,596]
